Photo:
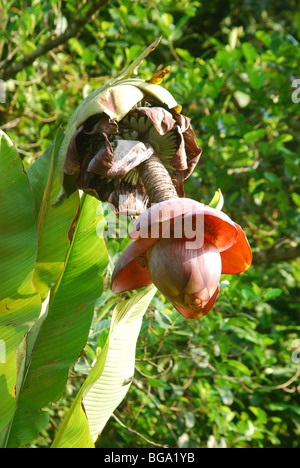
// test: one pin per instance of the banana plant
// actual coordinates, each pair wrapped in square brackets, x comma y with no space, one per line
[129,145]
[52,261]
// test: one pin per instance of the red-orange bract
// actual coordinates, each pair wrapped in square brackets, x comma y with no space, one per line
[183,247]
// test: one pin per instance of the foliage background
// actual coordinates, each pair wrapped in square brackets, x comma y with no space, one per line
[230,379]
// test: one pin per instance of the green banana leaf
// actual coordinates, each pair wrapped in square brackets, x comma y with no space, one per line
[19,302]
[66,321]
[53,224]
[110,377]
[217,201]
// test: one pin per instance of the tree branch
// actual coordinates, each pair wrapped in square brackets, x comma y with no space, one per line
[72,31]
[275,255]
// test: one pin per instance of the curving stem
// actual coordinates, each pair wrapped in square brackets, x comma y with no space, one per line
[157,180]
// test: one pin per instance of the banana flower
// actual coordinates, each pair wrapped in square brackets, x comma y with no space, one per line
[116,132]
[183,247]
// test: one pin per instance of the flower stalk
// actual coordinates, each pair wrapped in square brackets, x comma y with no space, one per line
[156,180]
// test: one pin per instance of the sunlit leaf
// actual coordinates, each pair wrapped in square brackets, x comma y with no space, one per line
[110,377]
[19,303]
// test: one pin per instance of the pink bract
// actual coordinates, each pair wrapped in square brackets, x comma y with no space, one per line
[183,247]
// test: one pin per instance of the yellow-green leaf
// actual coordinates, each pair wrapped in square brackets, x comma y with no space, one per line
[110,377]
[19,302]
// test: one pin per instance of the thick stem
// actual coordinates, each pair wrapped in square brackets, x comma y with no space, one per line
[156,179]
